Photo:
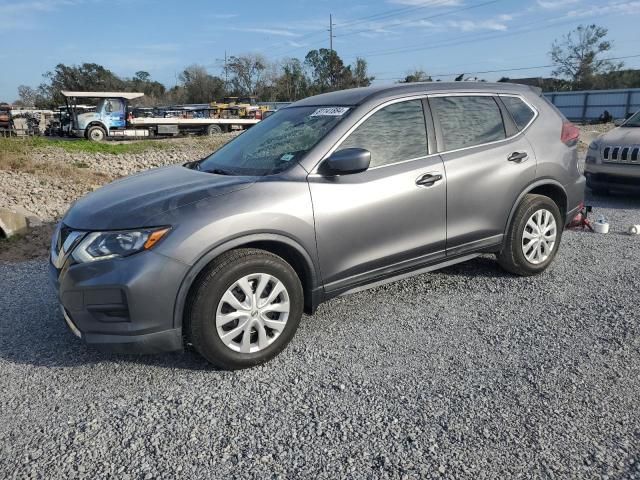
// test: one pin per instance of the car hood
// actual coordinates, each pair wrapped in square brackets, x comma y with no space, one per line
[141,200]
[622,136]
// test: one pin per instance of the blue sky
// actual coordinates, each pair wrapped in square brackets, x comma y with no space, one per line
[439,36]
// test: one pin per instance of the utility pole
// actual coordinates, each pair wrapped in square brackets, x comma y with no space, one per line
[226,75]
[331,35]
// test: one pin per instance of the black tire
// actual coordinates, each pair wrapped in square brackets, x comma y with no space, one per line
[210,287]
[214,129]
[512,257]
[96,134]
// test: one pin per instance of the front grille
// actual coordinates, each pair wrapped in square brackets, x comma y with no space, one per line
[621,154]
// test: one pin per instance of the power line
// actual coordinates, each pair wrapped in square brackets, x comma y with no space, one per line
[471,38]
[462,40]
[389,14]
[430,17]
[501,70]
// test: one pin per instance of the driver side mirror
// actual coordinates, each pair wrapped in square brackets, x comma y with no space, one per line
[346,161]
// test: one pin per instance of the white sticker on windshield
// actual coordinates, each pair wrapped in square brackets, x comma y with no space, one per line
[330,111]
[286,157]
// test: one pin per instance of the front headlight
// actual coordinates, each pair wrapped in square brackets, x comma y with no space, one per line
[105,245]
[595,145]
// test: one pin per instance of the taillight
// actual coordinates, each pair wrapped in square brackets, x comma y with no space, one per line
[258,114]
[570,134]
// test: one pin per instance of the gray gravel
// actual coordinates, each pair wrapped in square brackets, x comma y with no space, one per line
[464,373]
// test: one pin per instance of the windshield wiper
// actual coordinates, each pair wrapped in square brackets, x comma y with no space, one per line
[219,171]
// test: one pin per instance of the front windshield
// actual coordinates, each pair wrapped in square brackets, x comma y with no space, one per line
[634,121]
[274,144]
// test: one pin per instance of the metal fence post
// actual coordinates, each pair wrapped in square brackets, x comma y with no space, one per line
[585,103]
[628,105]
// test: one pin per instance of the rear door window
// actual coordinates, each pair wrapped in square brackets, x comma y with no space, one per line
[519,111]
[393,134]
[467,121]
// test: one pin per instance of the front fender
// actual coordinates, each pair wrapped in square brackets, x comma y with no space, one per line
[228,245]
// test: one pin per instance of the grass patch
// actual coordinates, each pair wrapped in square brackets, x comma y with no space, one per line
[23,145]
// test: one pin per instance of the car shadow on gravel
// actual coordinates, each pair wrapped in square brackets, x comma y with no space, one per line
[56,347]
[34,333]
[614,200]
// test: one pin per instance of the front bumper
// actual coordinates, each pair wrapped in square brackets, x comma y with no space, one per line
[123,305]
[613,175]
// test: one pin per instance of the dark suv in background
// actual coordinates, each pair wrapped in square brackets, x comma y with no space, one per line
[328,196]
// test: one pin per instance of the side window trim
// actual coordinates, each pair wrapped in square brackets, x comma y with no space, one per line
[526,102]
[364,118]
[430,127]
[510,127]
[438,128]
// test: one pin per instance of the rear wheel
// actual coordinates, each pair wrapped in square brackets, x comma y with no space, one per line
[214,129]
[96,134]
[533,237]
[246,309]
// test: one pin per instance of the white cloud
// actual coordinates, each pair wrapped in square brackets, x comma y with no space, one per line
[628,8]
[473,25]
[554,4]
[223,16]
[268,31]
[428,3]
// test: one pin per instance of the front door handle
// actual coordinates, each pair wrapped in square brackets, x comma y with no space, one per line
[428,179]
[518,157]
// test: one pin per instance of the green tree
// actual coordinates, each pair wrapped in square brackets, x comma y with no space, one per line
[361,76]
[416,75]
[246,73]
[84,77]
[579,56]
[293,83]
[199,86]
[27,96]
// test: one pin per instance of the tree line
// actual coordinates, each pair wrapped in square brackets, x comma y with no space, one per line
[581,59]
[290,79]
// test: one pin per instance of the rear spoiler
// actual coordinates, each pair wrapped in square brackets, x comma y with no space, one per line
[536,90]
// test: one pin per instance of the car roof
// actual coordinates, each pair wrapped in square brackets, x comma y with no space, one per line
[357,96]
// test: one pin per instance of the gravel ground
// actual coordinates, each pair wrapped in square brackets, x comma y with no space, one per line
[49,195]
[464,373]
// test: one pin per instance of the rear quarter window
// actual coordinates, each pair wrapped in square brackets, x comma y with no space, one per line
[467,121]
[521,113]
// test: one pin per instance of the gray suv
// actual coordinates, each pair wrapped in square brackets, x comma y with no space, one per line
[613,159]
[333,194]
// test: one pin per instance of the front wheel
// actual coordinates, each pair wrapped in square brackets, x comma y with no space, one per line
[96,134]
[246,309]
[533,237]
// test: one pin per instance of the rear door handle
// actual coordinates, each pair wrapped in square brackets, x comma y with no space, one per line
[428,179]
[518,157]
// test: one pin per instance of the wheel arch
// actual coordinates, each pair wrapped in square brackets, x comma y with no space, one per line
[547,187]
[95,123]
[290,250]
